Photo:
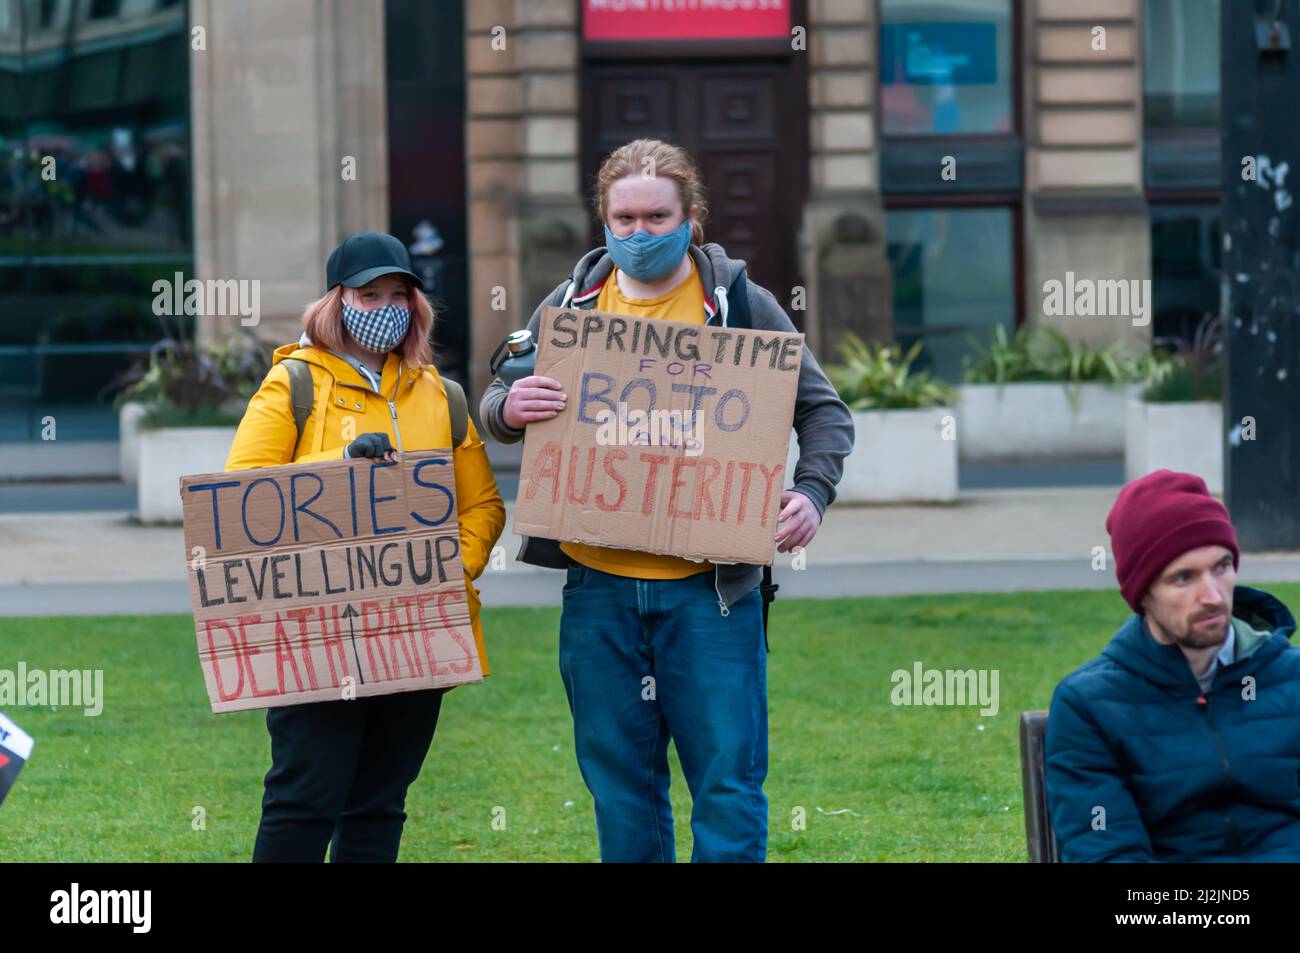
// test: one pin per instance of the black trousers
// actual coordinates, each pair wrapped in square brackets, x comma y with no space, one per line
[339,774]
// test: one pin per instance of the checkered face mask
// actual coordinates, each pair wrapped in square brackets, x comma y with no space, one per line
[380,330]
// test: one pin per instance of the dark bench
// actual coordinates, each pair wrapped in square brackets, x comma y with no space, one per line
[1038,823]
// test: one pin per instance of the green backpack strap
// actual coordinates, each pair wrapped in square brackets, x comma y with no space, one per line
[458,408]
[302,391]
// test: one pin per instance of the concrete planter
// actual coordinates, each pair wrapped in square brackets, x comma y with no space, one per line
[1037,421]
[167,454]
[1187,437]
[898,456]
[128,439]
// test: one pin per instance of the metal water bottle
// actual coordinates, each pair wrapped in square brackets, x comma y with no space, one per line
[514,357]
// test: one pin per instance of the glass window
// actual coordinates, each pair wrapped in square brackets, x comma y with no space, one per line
[1185,266]
[1181,63]
[953,278]
[94,203]
[104,9]
[945,68]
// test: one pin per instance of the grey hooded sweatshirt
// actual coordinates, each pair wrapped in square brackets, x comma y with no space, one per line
[821,420]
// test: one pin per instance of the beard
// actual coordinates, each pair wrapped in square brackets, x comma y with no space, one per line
[1195,632]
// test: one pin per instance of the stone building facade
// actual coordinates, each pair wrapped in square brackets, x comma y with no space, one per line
[292,88]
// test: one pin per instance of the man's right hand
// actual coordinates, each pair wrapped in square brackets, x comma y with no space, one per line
[373,445]
[531,399]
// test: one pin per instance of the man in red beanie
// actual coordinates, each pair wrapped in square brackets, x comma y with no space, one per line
[1181,742]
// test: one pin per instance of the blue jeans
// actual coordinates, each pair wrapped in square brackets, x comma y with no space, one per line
[646,660]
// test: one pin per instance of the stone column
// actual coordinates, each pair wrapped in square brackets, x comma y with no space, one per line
[528,220]
[843,235]
[281,95]
[1085,206]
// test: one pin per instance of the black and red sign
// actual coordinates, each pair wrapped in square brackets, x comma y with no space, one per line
[15,749]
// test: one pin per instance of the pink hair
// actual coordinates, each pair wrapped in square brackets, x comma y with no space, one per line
[323,322]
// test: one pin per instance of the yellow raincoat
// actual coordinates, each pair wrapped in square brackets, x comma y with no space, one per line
[412,411]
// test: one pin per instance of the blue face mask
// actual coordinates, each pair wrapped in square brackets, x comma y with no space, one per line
[647,257]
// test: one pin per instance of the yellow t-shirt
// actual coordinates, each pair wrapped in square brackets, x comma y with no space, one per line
[684,303]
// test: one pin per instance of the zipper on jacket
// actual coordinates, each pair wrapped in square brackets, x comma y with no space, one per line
[1203,705]
[392,408]
[722,603]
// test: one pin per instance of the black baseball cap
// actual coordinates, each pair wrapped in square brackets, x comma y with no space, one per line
[363,257]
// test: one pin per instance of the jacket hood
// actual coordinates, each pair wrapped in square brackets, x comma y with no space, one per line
[1134,649]
[717,273]
[304,350]
[339,368]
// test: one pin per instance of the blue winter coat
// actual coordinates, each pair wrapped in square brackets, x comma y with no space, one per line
[1180,776]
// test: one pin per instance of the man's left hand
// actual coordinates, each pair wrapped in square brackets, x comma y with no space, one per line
[798,521]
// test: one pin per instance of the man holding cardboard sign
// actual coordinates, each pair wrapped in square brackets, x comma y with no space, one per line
[663,523]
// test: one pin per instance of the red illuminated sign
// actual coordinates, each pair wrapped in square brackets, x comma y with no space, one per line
[685,19]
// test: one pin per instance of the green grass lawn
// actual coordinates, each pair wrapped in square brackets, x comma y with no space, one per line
[874,781]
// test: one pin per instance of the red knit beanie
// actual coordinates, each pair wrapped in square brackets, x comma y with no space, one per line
[1158,518]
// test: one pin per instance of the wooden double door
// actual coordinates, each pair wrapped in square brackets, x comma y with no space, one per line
[746,125]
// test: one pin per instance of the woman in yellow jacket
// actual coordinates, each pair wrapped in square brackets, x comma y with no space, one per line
[340,769]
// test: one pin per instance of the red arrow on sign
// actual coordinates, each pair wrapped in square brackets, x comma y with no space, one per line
[4,759]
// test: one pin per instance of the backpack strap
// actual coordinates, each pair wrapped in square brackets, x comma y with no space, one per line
[458,408]
[767,591]
[302,391]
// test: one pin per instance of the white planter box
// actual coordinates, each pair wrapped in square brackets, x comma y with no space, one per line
[1036,421]
[128,440]
[1187,437]
[898,456]
[169,453]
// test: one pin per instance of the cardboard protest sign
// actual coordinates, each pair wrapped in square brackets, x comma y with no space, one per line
[673,440]
[311,582]
[15,750]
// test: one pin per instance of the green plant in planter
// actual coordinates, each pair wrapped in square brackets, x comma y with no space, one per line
[1193,372]
[880,377]
[1045,354]
[185,384]
[1003,360]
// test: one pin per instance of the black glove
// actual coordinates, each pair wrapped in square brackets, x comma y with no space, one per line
[373,445]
